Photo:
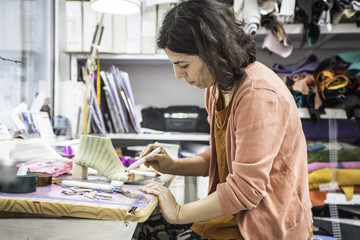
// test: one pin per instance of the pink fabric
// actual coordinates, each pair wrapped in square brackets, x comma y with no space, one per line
[54,167]
[319,165]
[267,186]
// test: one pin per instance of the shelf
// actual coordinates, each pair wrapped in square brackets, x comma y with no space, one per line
[79,58]
[344,35]
[355,222]
[335,113]
[298,28]
[133,59]
[133,139]
[198,137]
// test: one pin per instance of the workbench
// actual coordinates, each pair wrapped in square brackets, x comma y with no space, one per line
[48,213]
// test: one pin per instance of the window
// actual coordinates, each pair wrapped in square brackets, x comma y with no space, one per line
[27,35]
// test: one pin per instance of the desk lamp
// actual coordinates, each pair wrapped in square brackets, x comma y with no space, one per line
[111,7]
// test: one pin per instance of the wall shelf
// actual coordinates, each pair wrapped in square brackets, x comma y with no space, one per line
[346,35]
[121,56]
[202,137]
[79,58]
[298,28]
[335,113]
[129,139]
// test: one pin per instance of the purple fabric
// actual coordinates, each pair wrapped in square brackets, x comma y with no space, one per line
[127,161]
[307,64]
[319,165]
[68,152]
[320,130]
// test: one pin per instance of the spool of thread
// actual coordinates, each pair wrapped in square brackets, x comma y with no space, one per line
[44,179]
[23,184]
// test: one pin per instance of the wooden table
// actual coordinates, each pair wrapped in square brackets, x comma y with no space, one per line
[55,215]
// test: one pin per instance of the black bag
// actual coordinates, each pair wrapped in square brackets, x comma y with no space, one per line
[176,119]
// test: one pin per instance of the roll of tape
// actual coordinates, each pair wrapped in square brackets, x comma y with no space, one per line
[23,184]
[44,179]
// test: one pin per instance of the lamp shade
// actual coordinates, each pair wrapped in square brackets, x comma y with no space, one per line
[116,6]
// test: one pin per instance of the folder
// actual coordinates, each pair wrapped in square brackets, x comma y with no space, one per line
[133,30]
[74,26]
[111,103]
[119,33]
[89,20]
[148,30]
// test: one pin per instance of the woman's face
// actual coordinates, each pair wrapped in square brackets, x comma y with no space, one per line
[191,68]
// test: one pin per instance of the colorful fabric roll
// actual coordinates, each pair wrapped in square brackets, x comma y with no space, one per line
[343,156]
[344,177]
[319,165]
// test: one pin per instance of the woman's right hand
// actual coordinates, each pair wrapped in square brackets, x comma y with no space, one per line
[161,162]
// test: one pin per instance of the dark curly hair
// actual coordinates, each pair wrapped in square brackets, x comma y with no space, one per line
[208,28]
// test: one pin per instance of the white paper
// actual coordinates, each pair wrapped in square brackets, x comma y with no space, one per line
[38,102]
[19,128]
[34,148]
[43,122]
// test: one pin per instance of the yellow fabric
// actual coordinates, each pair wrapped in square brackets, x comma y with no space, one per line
[320,176]
[224,227]
[326,79]
[349,191]
[339,81]
[344,177]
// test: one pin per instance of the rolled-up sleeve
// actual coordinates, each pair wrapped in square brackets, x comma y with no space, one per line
[206,156]
[259,126]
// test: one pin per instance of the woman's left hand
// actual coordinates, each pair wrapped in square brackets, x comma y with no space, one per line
[169,207]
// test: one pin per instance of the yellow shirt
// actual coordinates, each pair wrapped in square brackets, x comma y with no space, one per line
[224,227]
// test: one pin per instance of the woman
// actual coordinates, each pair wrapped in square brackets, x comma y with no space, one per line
[257,159]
